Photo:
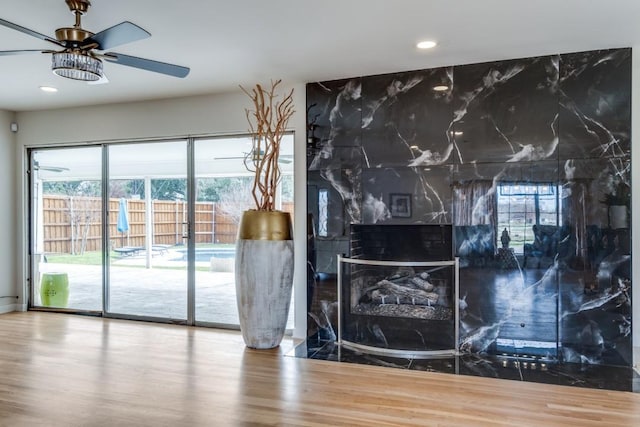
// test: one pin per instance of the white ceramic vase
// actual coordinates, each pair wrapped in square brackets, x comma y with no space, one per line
[264,277]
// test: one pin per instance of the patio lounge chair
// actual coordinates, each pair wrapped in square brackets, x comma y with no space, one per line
[128,250]
[161,249]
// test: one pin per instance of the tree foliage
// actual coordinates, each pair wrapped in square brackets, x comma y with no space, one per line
[207,189]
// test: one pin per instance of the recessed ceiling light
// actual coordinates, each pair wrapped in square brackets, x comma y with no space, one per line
[440,88]
[48,89]
[426,44]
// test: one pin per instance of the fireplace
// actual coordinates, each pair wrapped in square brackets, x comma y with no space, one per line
[426,242]
[398,289]
[411,291]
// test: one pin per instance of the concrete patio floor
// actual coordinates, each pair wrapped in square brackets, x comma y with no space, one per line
[160,291]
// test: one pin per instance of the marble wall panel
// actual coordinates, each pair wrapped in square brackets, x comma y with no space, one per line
[337,156]
[595,306]
[433,194]
[507,110]
[334,114]
[559,120]
[595,104]
[335,106]
[596,192]
[508,310]
[345,197]
[595,309]
[428,191]
[464,174]
[405,122]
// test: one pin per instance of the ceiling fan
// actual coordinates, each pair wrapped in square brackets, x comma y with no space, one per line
[78,57]
[254,155]
[57,169]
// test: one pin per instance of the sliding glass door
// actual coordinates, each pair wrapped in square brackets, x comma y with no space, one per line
[147,217]
[66,239]
[144,230]
[223,182]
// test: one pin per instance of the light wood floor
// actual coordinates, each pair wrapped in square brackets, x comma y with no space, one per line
[63,370]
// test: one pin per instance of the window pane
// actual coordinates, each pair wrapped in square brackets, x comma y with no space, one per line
[517,207]
[224,185]
[66,228]
[147,194]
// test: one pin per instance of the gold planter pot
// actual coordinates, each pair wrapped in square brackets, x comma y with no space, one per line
[264,225]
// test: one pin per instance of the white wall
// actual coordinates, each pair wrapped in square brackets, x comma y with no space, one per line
[8,217]
[197,115]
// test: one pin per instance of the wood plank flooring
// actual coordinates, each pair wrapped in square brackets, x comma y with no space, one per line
[64,370]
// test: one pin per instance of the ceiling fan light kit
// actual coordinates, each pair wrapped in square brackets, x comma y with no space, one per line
[77,66]
[78,59]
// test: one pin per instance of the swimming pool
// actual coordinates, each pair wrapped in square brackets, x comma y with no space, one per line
[205,254]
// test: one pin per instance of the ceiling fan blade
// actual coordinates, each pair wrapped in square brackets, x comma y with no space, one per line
[20,52]
[124,32]
[29,32]
[147,64]
[56,169]
[38,166]
[284,159]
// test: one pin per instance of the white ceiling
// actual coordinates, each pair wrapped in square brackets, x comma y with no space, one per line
[227,43]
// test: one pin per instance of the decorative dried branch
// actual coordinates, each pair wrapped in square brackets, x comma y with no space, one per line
[267,125]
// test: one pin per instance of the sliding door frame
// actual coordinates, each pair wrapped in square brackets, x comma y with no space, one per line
[31,250]
[106,285]
[106,237]
[191,235]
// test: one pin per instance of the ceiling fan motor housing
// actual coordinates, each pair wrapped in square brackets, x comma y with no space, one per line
[72,35]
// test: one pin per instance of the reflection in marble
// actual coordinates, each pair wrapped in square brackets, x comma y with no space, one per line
[507,110]
[595,101]
[404,121]
[347,183]
[560,289]
[374,209]
[503,366]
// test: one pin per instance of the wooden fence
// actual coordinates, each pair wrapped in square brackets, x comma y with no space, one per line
[73,224]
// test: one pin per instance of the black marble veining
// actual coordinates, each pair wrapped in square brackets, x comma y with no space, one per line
[507,111]
[538,148]
[595,104]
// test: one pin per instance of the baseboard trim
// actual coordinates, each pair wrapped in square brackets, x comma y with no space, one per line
[7,308]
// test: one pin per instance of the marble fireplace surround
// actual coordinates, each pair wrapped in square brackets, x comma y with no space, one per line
[562,121]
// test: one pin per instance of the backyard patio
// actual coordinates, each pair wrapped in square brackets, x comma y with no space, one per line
[160,291]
